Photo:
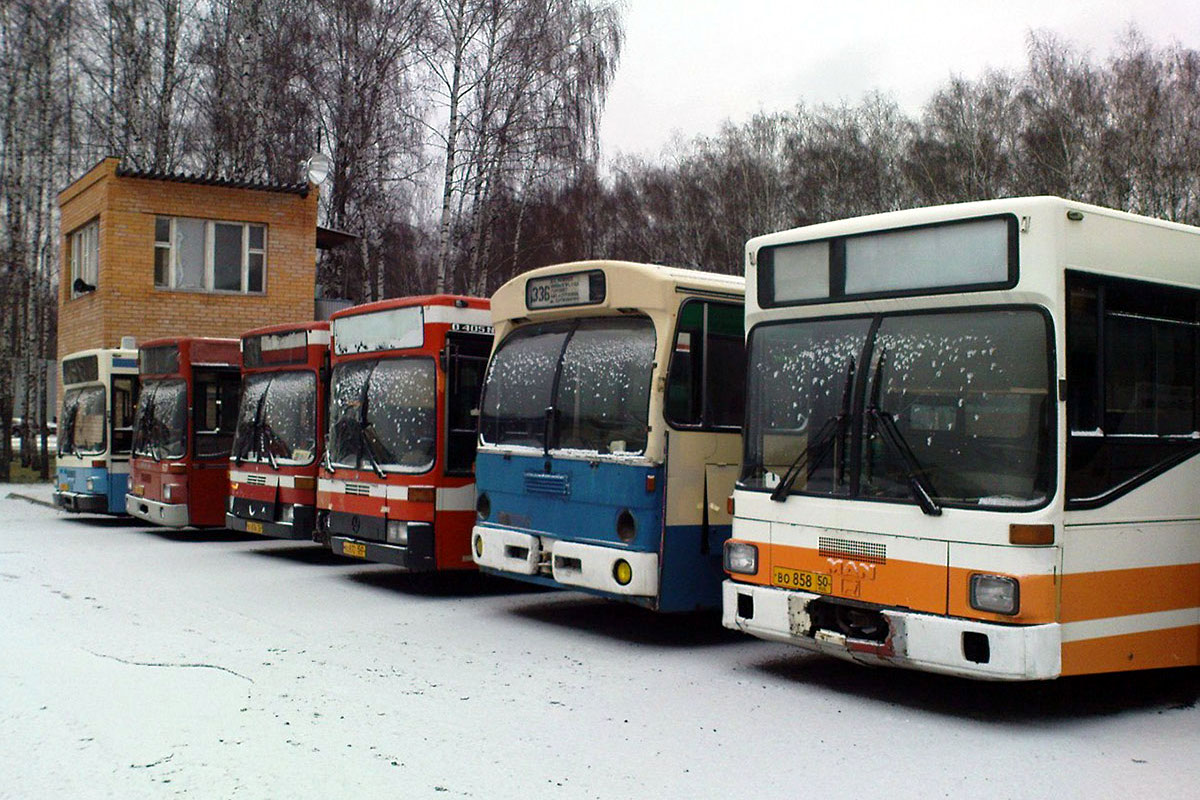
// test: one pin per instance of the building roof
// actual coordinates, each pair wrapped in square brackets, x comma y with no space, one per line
[301,188]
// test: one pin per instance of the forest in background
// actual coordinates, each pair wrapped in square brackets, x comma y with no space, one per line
[464,141]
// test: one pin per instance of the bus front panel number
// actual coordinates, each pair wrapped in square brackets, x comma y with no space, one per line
[805,581]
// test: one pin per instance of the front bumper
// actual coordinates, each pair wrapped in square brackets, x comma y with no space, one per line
[276,530]
[573,564]
[171,515]
[947,645]
[82,502]
[416,556]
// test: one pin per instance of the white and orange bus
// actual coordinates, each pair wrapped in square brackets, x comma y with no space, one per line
[971,441]
[397,484]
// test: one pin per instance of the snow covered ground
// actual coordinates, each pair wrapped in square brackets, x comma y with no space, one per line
[140,662]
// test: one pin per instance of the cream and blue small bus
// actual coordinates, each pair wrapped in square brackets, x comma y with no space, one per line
[95,430]
[610,431]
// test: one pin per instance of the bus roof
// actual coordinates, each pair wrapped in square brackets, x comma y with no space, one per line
[462,301]
[200,350]
[630,285]
[287,327]
[118,352]
[952,211]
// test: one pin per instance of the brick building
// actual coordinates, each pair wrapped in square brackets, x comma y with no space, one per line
[150,255]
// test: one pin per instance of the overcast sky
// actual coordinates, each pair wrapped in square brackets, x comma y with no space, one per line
[688,65]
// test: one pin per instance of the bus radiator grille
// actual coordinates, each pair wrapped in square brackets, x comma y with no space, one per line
[867,552]
[542,483]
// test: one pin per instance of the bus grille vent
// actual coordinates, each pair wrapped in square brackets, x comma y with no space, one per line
[360,489]
[848,548]
[543,483]
[256,480]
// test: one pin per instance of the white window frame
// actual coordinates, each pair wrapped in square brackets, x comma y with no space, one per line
[85,255]
[210,227]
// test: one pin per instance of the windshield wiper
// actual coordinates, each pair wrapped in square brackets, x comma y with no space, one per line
[264,435]
[884,422]
[68,433]
[326,458]
[243,452]
[363,441]
[832,431]
[368,441]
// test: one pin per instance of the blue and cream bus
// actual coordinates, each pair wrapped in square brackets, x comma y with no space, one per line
[610,431]
[95,430]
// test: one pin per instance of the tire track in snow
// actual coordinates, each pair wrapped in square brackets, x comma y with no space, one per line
[170,665]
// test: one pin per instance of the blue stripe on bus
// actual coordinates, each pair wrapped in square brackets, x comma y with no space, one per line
[113,485]
[580,501]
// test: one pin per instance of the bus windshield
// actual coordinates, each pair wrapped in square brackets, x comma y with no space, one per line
[277,419]
[572,385]
[83,422]
[160,426]
[958,403]
[383,415]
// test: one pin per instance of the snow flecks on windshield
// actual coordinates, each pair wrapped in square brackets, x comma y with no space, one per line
[396,430]
[603,378]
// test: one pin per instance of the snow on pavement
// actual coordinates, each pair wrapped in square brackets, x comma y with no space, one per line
[142,662]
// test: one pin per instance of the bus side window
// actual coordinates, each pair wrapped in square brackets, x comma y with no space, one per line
[465,366]
[215,413]
[1132,397]
[725,365]
[706,384]
[124,404]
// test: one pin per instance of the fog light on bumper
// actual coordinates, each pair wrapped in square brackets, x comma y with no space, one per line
[622,572]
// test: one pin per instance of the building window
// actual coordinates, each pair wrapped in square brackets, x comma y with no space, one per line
[85,258]
[209,256]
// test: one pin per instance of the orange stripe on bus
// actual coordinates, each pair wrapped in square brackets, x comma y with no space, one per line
[905,584]
[1170,647]
[1122,592]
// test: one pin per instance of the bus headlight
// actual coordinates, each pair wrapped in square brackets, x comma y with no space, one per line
[91,484]
[397,532]
[287,513]
[741,557]
[622,572]
[483,506]
[997,594]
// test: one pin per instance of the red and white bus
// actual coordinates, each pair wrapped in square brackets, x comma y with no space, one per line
[397,483]
[183,430]
[278,443]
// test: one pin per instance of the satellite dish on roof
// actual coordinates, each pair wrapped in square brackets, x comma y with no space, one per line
[316,168]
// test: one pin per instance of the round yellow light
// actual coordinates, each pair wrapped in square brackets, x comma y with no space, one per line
[479,546]
[622,572]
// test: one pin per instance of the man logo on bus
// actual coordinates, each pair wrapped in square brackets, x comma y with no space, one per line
[852,573]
